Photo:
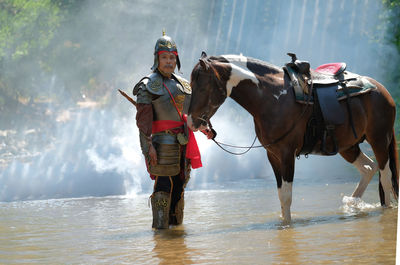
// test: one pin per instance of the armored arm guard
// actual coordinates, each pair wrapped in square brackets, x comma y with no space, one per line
[145,143]
[144,116]
[144,119]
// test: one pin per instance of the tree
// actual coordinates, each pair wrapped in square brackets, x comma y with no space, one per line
[392,18]
[26,29]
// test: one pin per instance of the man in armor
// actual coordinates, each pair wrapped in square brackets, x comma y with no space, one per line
[169,147]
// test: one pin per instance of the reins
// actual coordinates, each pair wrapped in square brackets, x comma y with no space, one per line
[220,145]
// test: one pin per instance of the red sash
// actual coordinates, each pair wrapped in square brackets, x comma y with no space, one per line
[192,149]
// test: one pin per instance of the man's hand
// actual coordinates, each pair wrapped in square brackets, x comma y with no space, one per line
[152,155]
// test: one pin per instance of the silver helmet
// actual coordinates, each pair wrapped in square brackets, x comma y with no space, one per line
[165,43]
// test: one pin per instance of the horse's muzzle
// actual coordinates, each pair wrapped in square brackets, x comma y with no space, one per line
[194,126]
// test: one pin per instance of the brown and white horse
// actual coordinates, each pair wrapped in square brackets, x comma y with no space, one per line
[280,122]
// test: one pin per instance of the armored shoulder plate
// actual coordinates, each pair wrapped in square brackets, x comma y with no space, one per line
[141,84]
[153,83]
[185,84]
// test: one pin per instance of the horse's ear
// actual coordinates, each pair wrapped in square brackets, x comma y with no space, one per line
[203,63]
[203,55]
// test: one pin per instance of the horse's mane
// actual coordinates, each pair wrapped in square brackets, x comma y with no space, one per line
[273,68]
[258,67]
[208,61]
[261,67]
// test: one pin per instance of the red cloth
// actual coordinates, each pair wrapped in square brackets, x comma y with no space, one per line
[159,126]
[176,53]
[192,149]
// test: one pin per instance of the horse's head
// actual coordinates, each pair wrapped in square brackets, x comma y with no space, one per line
[208,82]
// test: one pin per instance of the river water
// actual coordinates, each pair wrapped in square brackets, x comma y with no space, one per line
[235,223]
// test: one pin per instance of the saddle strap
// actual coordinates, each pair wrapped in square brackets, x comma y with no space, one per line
[329,132]
[318,130]
[346,91]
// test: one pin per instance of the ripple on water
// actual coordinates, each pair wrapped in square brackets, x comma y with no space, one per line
[353,205]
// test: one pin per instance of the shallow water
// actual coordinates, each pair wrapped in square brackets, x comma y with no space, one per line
[235,224]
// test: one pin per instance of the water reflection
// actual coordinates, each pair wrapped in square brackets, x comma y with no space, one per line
[170,246]
[388,234]
[287,250]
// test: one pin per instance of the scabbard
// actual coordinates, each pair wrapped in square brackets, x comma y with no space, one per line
[131,100]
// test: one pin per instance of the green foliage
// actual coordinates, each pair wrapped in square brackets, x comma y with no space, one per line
[393,26]
[26,30]
[27,26]
[393,37]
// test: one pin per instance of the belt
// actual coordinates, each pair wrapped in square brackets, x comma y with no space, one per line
[173,131]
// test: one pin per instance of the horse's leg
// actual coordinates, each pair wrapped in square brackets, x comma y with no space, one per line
[365,165]
[385,150]
[283,170]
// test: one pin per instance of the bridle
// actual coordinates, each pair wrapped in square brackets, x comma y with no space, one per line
[205,120]
[204,117]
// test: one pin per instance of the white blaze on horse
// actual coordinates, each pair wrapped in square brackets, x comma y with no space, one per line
[281,122]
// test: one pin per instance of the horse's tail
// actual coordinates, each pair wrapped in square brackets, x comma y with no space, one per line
[394,164]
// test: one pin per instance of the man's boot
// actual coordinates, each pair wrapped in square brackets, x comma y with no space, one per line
[160,204]
[176,216]
[179,210]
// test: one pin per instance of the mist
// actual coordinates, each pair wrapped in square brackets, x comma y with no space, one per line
[95,151]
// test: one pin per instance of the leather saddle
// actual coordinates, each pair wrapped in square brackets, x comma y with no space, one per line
[324,87]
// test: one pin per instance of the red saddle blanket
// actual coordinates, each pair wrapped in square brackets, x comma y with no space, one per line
[331,68]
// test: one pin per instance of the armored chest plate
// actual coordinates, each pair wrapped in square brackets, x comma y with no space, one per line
[163,106]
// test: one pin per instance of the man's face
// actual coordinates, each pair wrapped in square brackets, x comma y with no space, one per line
[167,62]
